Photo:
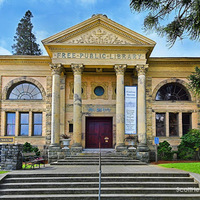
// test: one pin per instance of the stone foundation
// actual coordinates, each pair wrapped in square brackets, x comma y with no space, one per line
[11,156]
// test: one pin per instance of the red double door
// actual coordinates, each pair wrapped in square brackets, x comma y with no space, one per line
[99,132]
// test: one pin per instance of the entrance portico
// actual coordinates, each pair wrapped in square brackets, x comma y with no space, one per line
[98,53]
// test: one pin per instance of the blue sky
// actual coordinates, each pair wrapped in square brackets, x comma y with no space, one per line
[53,16]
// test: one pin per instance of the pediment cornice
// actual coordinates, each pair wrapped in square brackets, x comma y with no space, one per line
[99,31]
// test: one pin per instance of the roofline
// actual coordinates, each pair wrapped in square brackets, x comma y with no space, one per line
[91,20]
[19,57]
[173,59]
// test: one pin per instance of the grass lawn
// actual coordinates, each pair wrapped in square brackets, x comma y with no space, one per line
[3,172]
[190,167]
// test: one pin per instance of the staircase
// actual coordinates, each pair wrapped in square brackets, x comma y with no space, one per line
[91,157]
[94,160]
[127,186]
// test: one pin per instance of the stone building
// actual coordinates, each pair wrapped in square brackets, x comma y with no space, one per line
[78,90]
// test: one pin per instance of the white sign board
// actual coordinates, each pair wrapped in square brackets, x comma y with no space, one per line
[130,109]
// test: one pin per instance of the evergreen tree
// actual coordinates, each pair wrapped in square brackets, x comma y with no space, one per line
[181,17]
[194,81]
[25,40]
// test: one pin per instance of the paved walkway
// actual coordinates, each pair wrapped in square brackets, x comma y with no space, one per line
[105,169]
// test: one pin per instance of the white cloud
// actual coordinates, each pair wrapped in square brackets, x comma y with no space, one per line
[4,51]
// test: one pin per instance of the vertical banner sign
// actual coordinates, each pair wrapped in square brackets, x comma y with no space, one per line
[130,109]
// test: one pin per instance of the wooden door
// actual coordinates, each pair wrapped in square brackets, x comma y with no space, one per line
[99,129]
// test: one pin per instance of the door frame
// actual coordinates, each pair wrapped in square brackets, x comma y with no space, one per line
[99,117]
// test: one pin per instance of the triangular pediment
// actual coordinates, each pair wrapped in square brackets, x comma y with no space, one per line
[99,30]
[99,35]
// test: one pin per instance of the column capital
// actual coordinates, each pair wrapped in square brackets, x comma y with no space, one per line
[56,68]
[77,68]
[120,69]
[142,69]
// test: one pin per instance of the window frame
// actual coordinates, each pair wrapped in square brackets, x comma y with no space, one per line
[167,125]
[174,125]
[33,123]
[190,122]
[6,132]
[23,124]
[164,124]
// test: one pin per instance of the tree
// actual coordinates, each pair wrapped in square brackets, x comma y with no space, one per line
[24,38]
[189,148]
[182,17]
[194,81]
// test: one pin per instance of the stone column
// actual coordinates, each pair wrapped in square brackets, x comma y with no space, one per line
[120,143]
[77,108]
[142,149]
[55,120]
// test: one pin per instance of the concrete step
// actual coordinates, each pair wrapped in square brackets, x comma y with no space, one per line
[97,160]
[114,186]
[97,163]
[96,157]
[96,179]
[103,185]
[104,197]
[43,191]
[92,174]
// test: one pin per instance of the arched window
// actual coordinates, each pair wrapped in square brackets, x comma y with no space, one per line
[24,91]
[172,92]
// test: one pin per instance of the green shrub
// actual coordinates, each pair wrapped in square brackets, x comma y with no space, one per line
[27,147]
[189,146]
[165,151]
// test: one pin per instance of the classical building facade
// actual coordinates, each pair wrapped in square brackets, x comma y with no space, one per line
[78,90]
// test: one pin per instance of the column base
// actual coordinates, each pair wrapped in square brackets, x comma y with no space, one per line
[121,147]
[54,145]
[142,153]
[55,153]
[142,148]
[76,149]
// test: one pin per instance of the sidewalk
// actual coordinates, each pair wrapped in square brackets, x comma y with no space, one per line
[48,169]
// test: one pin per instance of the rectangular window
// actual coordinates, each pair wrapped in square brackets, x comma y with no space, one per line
[70,128]
[186,122]
[37,124]
[160,124]
[10,124]
[24,124]
[173,124]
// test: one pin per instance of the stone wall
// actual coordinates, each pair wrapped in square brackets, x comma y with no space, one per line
[56,153]
[11,156]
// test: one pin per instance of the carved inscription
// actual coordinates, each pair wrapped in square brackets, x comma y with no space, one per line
[98,56]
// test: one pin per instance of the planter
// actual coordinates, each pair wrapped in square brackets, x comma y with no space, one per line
[66,143]
[131,142]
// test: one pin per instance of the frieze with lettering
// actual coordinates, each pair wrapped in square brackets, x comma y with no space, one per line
[98,56]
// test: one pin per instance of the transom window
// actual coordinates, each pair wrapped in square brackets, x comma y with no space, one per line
[25,91]
[172,92]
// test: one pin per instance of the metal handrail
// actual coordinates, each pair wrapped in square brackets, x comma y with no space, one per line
[100,171]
